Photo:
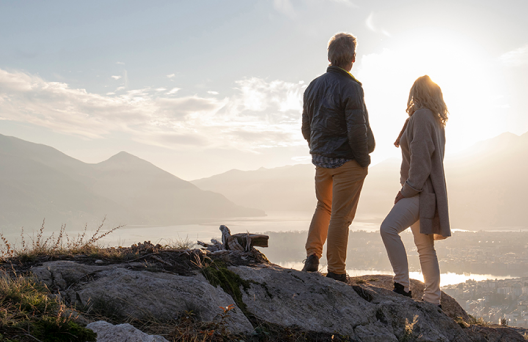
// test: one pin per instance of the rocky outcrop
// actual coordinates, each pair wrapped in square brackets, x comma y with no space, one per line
[262,295]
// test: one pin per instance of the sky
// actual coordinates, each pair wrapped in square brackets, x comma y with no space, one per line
[202,87]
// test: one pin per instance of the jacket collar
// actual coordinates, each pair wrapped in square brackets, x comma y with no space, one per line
[342,71]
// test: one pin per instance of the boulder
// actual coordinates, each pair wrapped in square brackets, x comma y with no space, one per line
[107,332]
[124,293]
[291,298]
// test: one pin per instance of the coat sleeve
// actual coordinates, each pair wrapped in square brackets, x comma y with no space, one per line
[306,118]
[357,127]
[421,148]
[370,135]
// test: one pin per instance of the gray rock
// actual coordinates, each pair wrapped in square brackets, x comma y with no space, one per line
[313,302]
[449,305]
[307,300]
[107,332]
[61,274]
[375,332]
[141,294]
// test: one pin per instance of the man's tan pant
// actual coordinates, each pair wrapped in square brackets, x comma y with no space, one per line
[337,192]
[405,213]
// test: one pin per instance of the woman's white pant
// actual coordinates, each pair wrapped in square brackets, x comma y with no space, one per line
[405,213]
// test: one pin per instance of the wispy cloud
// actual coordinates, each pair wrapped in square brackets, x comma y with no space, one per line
[515,58]
[171,76]
[258,114]
[212,92]
[116,77]
[370,24]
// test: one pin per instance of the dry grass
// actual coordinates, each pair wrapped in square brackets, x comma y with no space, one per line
[29,312]
[478,321]
[57,244]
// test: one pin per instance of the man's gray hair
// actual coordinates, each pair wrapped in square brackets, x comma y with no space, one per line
[341,49]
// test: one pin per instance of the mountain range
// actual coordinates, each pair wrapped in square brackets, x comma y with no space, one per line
[39,182]
[487,186]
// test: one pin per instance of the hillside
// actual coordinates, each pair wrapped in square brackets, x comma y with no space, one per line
[487,186]
[37,182]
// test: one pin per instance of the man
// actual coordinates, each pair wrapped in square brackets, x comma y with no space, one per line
[335,123]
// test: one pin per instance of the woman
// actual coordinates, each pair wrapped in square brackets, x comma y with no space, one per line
[422,201]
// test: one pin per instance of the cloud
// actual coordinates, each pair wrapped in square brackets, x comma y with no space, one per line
[259,114]
[180,108]
[515,58]
[370,24]
[212,92]
[171,76]
[116,77]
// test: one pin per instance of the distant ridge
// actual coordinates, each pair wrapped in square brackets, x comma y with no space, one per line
[38,181]
[487,186]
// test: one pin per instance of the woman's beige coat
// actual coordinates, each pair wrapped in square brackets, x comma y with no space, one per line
[422,171]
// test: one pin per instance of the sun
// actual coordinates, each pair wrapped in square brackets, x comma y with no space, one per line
[467,80]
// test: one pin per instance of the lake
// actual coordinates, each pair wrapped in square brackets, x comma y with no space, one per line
[447,278]
[281,221]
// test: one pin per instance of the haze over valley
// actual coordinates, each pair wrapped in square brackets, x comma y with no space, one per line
[38,182]
[486,184]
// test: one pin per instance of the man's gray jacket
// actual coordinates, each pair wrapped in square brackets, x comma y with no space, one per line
[335,119]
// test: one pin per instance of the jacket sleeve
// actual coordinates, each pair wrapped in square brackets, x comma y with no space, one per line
[421,148]
[370,135]
[306,118]
[357,127]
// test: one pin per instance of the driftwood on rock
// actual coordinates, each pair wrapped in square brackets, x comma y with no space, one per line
[237,242]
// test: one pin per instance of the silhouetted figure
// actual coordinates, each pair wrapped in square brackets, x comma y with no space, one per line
[336,125]
[422,201]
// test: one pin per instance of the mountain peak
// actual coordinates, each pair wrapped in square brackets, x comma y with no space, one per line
[126,160]
[124,156]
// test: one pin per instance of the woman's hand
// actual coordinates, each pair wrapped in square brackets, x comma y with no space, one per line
[399,196]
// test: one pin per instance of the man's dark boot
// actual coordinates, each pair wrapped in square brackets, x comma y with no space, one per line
[400,289]
[338,277]
[311,264]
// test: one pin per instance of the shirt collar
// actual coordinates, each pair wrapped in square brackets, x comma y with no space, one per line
[331,67]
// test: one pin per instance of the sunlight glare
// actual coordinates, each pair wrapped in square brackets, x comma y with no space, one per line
[467,81]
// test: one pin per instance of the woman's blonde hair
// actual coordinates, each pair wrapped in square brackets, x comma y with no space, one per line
[427,94]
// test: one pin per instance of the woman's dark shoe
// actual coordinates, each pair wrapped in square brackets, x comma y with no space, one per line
[400,289]
[311,264]
[338,277]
